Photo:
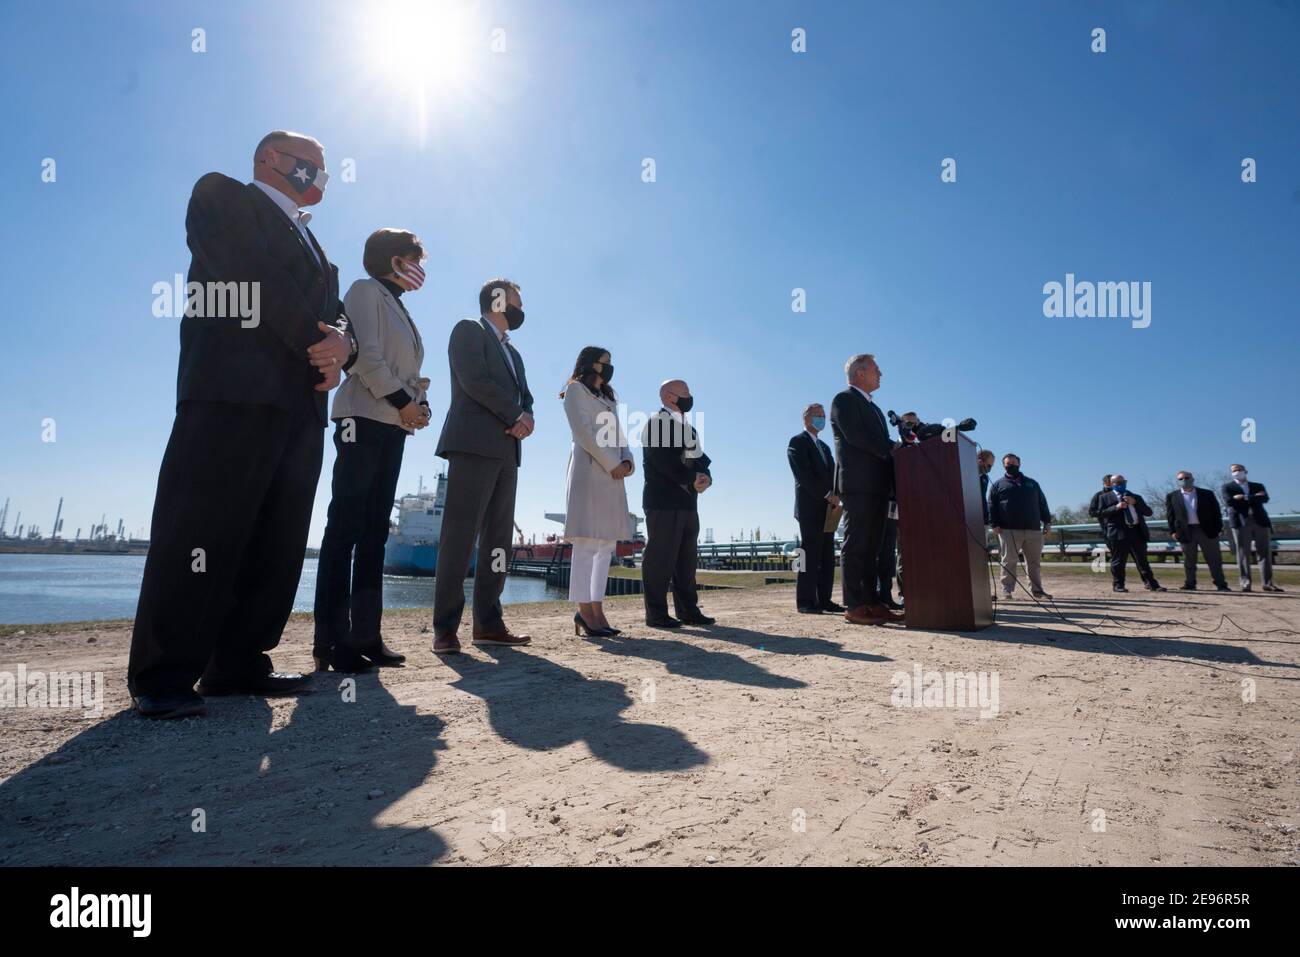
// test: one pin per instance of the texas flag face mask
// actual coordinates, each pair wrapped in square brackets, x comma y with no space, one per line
[307,180]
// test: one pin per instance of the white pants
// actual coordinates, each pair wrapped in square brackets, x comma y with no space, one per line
[589,568]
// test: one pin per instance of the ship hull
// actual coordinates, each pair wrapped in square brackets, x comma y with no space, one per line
[401,558]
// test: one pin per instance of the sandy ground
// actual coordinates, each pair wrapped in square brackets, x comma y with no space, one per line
[770,738]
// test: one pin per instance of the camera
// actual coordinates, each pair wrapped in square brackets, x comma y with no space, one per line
[926,430]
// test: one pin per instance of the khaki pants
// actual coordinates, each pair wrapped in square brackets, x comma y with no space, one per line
[1012,541]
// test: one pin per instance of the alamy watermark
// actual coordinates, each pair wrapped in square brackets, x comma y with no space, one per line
[210,300]
[53,689]
[1098,300]
[946,689]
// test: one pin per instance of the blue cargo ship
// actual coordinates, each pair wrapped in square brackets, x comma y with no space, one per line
[412,547]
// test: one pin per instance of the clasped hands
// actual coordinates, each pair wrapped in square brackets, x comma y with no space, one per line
[522,428]
[329,354]
[414,415]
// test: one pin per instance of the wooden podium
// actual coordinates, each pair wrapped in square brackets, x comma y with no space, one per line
[941,536]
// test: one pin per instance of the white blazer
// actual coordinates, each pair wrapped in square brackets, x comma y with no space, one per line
[595,503]
[389,354]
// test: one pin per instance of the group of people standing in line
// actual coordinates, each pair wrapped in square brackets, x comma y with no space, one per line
[238,478]
[239,474]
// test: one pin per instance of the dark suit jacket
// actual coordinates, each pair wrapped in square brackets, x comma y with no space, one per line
[863,448]
[486,397]
[1254,507]
[237,234]
[1207,513]
[814,476]
[669,472]
[1111,510]
[1094,507]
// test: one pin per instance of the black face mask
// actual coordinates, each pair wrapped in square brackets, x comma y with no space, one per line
[606,371]
[514,317]
[684,403]
[1013,469]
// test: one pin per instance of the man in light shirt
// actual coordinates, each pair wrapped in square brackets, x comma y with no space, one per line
[1196,522]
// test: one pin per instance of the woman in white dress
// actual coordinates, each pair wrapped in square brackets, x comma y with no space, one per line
[595,512]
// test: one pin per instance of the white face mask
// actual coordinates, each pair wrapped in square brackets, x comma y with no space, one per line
[1239,477]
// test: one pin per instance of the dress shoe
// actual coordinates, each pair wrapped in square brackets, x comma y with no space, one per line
[349,661]
[1223,586]
[1039,593]
[1008,596]
[699,618]
[270,685]
[892,605]
[862,616]
[446,645]
[381,656]
[1118,588]
[1190,586]
[504,637]
[1156,586]
[1245,588]
[879,610]
[668,621]
[1271,588]
[806,610]
[833,608]
[180,704]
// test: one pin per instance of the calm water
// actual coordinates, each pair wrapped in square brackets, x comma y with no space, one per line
[44,588]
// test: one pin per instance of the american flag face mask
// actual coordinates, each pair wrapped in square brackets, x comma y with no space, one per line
[410,276]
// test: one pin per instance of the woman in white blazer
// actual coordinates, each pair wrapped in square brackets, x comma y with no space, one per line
[381,402]
[595,508]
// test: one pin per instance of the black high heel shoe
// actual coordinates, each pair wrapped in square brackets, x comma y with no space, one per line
[580,627]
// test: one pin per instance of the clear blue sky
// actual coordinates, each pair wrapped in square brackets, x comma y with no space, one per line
[775,170]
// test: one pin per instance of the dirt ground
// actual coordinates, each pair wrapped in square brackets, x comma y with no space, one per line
[772,738]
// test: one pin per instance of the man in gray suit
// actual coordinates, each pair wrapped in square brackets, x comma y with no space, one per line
[491,413]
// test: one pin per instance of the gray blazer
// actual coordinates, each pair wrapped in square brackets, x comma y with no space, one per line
[389,354]
[486,397]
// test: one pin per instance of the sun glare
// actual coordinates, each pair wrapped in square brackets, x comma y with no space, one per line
[421,49]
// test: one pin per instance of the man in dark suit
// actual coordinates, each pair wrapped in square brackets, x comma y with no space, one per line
[490,414]
[814,491]
[1123,516]
[676,472]
[864,481]
[1196,522]
[1250,525]
[239,476]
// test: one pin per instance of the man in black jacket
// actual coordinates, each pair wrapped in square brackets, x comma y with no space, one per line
[1196,522]
[1020,518]
[1123,516]
[239,476]
[864,481]
[676,472]
[1094,506]
[814,491]
[1250,525]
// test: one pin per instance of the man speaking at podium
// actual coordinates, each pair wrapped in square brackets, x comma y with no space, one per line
[864,481]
